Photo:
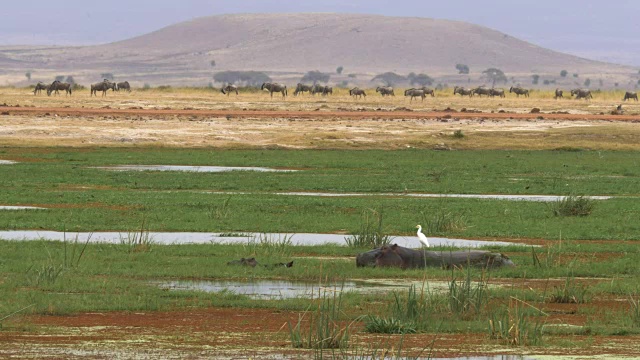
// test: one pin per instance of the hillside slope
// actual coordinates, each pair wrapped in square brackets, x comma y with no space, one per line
[302,42]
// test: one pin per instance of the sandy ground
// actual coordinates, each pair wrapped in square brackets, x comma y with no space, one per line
[316,129]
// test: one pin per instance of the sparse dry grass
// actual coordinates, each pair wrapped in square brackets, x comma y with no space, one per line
[341,132]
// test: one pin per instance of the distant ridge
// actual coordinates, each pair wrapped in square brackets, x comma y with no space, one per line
[301,42]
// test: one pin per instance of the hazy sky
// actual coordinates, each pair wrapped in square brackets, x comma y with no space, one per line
[605,30]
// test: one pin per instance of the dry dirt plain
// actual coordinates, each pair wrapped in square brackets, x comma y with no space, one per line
[206,118]
[200,118]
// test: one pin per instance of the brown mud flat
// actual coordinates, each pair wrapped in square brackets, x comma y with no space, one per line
[348,114]
[252,333]
[90,127]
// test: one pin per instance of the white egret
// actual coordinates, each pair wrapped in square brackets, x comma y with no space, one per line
[423,239]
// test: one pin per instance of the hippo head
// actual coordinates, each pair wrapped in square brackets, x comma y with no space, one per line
[389,257]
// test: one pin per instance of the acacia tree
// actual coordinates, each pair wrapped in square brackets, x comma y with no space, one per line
[389,78]
[495,75]
[420,79]
[535,78]
[28,75]
[251,78]
[315,77]
[462,68]
[339,69]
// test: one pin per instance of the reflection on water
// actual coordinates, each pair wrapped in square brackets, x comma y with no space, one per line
[207,169]
[168,238]
[534,198]
[21,208]
[266,289]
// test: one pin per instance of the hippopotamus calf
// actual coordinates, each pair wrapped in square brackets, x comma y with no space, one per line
[406,258]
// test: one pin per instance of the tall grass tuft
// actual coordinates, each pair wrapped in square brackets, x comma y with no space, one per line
[220,211]
[269,245]
[138,241]
[407,315]
[572,206]
[514,328]
[371,233]
[634,310]
[443,222]
[323,329]
[571,293]
[467,297]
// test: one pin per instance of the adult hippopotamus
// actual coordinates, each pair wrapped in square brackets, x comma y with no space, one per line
[406,258]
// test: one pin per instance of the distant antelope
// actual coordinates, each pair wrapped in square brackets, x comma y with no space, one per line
[519,91]
[57,85]
[39,87]
[462,91]
[302,88]
[558,94]
[227,90]
[123,86]
[385,91]
[415,93]
[356,91]
[496,92]
[582,94]
[274,87]
[102,86]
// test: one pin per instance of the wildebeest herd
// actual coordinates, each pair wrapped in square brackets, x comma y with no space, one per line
[314,89]
[103,86]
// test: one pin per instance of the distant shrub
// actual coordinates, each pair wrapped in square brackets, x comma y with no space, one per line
[462,68]
[389,78]
[315,77]
[575,75]
[572,206]
[563,73]
[59,78]
[535,78]
[420,79]
[146,86]
[108,76]
[339,69]
[249,78]
[587,82]
[353,76]
[212,63]
[28,75]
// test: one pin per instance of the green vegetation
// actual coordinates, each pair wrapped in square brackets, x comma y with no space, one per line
[572,206]
[82,198]
[371,233]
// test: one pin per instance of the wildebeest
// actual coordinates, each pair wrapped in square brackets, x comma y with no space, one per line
[415,93]
[462,91]
[582,93]
[519,91]
[102,86]
[496,92]
[39,87]
[124,85]
[275,87]
[481,90]
[316,89]
[428,91]
[327,90]
[558,94]
[385,91]
[302,88]
[57,85]
[630,95]
[229,89]
[356,91]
